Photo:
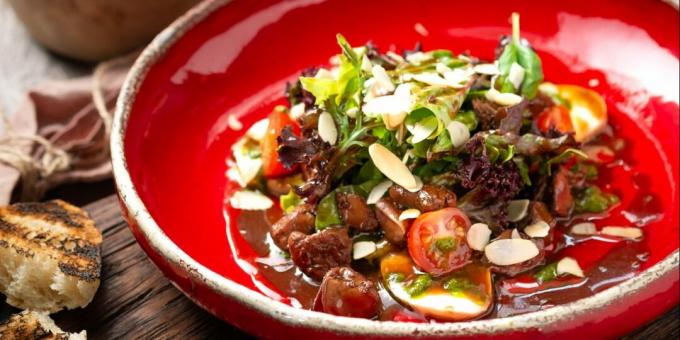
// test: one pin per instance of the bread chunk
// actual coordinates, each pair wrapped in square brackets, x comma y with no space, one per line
[50,256]
[35,325]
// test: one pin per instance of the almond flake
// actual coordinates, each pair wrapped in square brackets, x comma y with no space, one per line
[517,210]
[418,57]
[391,166]
[409,214]
[488,69]
[505,99]
[510,251]
[431,78]
[250,200]
[248,168]
[382,79]
[568,265]
[630,233]
[516,75]
[515,234]
[397,104]
[393,121]
[418,187]
[258,130]
[297,110]
[362,249]
[327,130]
[378,192]
[458,77]
[399,59]
[442,69]
[458,133]
[234,123]
[366,64]
[537,229]
[584,228]
[478,236]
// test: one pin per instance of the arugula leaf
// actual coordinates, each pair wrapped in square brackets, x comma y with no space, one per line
[321,88]
[468,118]
[418,285]
[368,172]
[523,170]
[594,200]
[422,124]
[327,213]
[523,55]
[547,273]
[289,201]
[566,154]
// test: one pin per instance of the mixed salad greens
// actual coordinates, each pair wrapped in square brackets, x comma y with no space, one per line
[435,168]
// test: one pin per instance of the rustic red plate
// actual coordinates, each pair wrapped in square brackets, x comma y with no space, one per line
[171,139]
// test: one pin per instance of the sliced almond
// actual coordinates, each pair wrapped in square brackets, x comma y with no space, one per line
[537,229]
[488,69]
[327,130]
[397,104]
[391,166]
[568,265]
[584,228]
[505,99]
[458,77]
[382,79]
[247,168]
[431,78]
[396,57]
[518,209]
[418,187]
[478,236]
[458,133]
[630,233]
[420,132]
[362,249]
[442,69]
[258,130]
[297,110]
[510,251]
[409,214]
[366,64]
[234,123]
[250,200]
[516,75]
[418,57]
[515,234]
[378,192]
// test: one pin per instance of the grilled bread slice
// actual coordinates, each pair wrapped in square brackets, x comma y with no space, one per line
[35,325]
[50,256]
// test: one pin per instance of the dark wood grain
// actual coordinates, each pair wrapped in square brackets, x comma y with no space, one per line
[136,301]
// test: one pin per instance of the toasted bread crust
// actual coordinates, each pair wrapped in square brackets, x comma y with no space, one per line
[27,325]
[62,231]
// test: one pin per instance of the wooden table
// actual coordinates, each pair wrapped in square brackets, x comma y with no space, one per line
[134,300]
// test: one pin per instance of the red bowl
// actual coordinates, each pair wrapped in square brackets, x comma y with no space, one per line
[171,139]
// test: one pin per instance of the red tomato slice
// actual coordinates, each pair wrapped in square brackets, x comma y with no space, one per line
[555,117]
[437,243]
[271,165]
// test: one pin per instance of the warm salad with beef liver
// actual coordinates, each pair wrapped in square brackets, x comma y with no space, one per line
[426,185]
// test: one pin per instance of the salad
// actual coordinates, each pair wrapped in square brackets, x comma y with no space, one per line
[428,184]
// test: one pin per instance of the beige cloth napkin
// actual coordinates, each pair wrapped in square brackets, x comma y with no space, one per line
[64,114]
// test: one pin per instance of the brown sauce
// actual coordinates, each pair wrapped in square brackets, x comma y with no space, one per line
[621,261]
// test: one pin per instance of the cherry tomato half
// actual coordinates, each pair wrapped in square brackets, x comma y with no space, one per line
[271,165]
[556,117]
[437,243]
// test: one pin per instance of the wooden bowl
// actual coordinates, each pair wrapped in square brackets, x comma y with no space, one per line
[94,30]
